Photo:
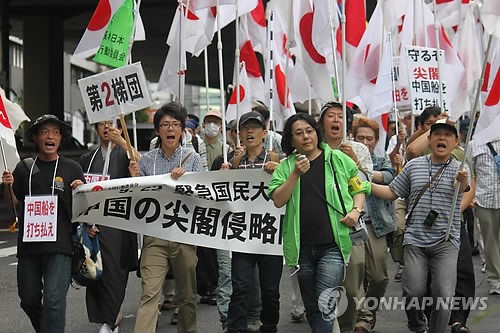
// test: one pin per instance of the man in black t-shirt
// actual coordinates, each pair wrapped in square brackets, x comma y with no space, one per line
[41,190]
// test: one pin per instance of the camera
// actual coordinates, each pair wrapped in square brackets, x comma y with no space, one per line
[430,218]
[358,233]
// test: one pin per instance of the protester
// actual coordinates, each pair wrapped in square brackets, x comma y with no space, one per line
[44,267]
[428,183]
[313,183]
[465,269]
[379,222]
[252,155]
[158,256]
[118,247]
[332,125]
[487,209]
[273,139]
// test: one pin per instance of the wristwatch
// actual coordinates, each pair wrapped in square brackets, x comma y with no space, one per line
[358,209]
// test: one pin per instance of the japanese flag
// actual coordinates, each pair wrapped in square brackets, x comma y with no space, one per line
[245,104]
[11,116]
[92,37]
[489,118]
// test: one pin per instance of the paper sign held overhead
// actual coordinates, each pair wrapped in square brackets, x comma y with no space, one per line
[424,80]
[116,92]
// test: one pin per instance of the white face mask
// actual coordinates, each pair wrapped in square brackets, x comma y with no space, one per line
[212,129]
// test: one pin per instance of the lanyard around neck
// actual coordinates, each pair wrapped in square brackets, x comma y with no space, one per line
[92,159]
[53,178]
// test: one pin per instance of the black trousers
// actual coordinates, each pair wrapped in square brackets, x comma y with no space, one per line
[207,271]
[466,281]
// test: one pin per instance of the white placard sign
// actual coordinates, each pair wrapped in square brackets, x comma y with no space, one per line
[401,93]
[40,219]
[227,209]
[423,76]
[119,91]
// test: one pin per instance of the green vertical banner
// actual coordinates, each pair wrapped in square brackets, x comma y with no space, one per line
[114,47]
[335,89]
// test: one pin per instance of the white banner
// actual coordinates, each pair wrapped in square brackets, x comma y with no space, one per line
[423,76]
[227,209]
[119,91]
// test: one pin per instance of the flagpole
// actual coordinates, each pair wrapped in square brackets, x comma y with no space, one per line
[344,74]
[287,46]
[182,71]
[436,32]
[270,40]
[207,95]
[131,43]
[221,84]
[237,67]
[393,83]
[469,134]
[334,47]
[12,228]
[426,42]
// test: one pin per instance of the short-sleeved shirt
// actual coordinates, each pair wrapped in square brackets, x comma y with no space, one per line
[487,178]
[438,197]
[41,184]
[155,162]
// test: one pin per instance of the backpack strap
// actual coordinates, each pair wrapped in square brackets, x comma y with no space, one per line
[185,157]
[490,146]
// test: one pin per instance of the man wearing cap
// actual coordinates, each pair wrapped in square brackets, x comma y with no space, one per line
[428,183]
[212,124]
[252,155]
[44,258]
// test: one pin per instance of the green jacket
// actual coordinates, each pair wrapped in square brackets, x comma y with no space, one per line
[346,170]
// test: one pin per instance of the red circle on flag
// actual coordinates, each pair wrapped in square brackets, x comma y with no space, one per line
[232,100]
[306,33]
[97,188]
[101,16]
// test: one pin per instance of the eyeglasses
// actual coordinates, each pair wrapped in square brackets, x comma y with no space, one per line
[105,123]
[173,125]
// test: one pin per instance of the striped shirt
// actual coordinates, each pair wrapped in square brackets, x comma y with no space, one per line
[487,178]
[258,163]
[155,162]
[438,197]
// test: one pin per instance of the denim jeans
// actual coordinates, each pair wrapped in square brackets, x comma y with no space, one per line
[43,282]
[321,268]
[441,262]
[242,268]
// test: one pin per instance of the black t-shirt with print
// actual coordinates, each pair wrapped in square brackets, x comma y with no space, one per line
[41,184]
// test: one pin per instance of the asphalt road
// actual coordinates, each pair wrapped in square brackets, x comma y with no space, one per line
[13,319]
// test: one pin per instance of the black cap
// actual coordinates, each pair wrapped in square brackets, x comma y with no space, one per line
[252,115]
[49,118]
[444,126]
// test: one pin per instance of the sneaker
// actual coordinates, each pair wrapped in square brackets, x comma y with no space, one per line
[360,329]
[297,318]
[253,326]
[399,273]
[483,267]
[495,290]
[105,328]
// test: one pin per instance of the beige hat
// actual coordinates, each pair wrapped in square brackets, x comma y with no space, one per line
[213,112]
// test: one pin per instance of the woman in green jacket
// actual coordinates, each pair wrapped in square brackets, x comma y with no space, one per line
[323,198]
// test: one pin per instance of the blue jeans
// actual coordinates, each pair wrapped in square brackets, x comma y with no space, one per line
[441,262]
[321,268]
[225,289]
[44,276]
[242,268]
